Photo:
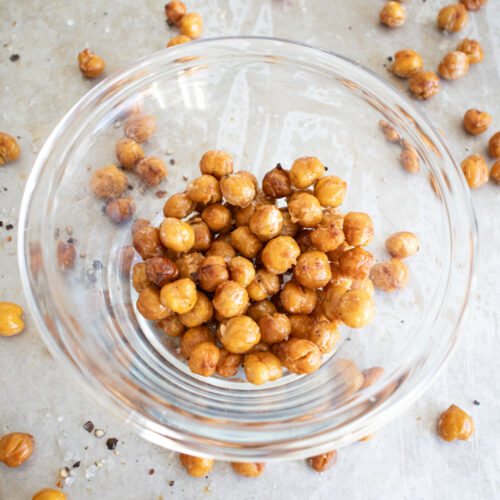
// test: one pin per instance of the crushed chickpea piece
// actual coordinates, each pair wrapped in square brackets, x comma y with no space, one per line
[9,148]
[91,65]
[392,14]
[452,17]
[454,423]
[389,131]
[476,171]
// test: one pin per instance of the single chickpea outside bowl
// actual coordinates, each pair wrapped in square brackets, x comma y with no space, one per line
[265,102]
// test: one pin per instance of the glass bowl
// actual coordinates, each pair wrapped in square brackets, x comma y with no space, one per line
[265,101]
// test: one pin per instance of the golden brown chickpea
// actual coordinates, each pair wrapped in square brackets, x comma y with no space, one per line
[218,218]
[280,254]
[150,305]
[454,423]
[238,189]
[91,65]
[331,301]
[242,215]
[424,84]
[306,171]
[356,263]
[323,462]
[230,300]
[325,335]
[193,337]
[204,358]
[356,308]
[201,313]
[9,148]
[266,222]
[161,270]
[241,270]
[371,375]
[16,448]
[128,153]
[334,255]
[289,228]
[178,40]
[495,172]
[239,334]
[49,494]
[303,239]
[358,229]
[246,242]
[179,296]
[300,325]
[390,275]
[140,128]
[216,163]
[191,25]
[454,65]
[260,308]
[473,50]
[262,367]
[248,469]
[189,265]
[66,255]
[120,210]
[365,285]
[406,63]
[222,249]
[276,183]
[176,235]
[330,191]
[274,328]
[139,224]
[494,145]
[298,300]
[213,271]
[392,14]
[476,122]
[229,363]
[108,182]
[409,160]
[299,356]
[260,347]
[202,234]
[174,11]
[390,133]
[305,209]
[475,170]
[327,237]
[263,285]
[339,278]
[401,245]
[196,466]
[312,270]
[452,17]
[473,4]
[172,326]
[139,278]
[204,189]
[151,171]
[179,206]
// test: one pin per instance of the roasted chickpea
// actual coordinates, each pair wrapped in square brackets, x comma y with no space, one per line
[401,245]
[339,278]
[91,65]
[242,215]
[476,122]
[331,300]
[108,182]
[358,229]
[390,133]
[356,263]
[365,285]
[305,209]
[238,189]
[66,255]
[263,285]
[150,305]
[241,270]
[196,466]
[140,127]
[204,358]
[213,271]
[300,325]
[392,14]
[161,270]
[174,11]
[312,269]
[9,148]
[179,296]
[16,448]
[424,84]
[334,255]
[49,494]
[406,63]
[266,222]
[201,313]
[289,228]
[193,337]
[323,462]
[276,183]
[261,308]
[139,224]
[179,206]
[151,171]
[280,254]
[229,363]
[306,171]
[202,234]
[230,300]
[204,189]
[299,356]
[494,145]
[327,237]
[246,242]
[262,367]
[390,275]
[409,161]
[139,278]
[128,153]
[274,328]
[303,239]
[172,326]
[454,423]
[325,335]
[222,249]
[120,210]
[189,265]
[239,334]
[330,191]
[454,65]
[176,235]
[178,40]
[473,4]
[356,308]
[473,50]
[495,172]
[475,170]
[298,300]
[248,469]
[216,163]
[191,25]
[218,218]
[452,17]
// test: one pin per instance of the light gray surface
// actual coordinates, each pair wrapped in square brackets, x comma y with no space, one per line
[406,459]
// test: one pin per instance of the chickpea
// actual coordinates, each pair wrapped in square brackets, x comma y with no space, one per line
[178,40]
[406,63]
[49,494]
[147,242]
[108,182]
[334,255]
[305,209]
[238,189]
[120,210]
[246,242]
[150,306]
[239,334]
[300,325]
[212,272]
[91,65]
[390,133]
[358,229]
[172,326]
[325,335]
[262,367]
[161,270]
[191,25]
[204,189]
[356,263]
[371,375]
[298,300]
[242,215]
[323,462]
[330,191]
[454,65]
[260,347]
[179,296]
[139,224]
[216,163]
[476,122]
[475,170]
[424,84]
[204,358]
[196,466]
[151,171]
[327,238]
[222,249]
[390,275]
[66,255]
[339,278]
[241,270]
[16,448]
[263,285]
[401,245]
[331,301]
[140,127]
[473,50]
[9,148]
[174,11]
[454,423]
[312,270]
[230,300]
[274,328]
[409,160]
[201,313]
[202,234]
[128,153]
[179,206]
[306,171]
[193,337]
[365,285]
[266,222]
[333,216]
[177,235]
[473,4]
[139,278]
[495,172]
[356,308]
[276,183]
[392,14]
[218,218]
[280,254]
[299,356]
[289,228]
[494,145]
[248,469]
[261,308]
[452,17]
[229,363]
[303,239]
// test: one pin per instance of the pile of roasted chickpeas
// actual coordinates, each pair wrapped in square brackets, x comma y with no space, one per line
[190,24]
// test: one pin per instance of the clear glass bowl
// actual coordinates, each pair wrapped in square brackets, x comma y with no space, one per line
[264,101]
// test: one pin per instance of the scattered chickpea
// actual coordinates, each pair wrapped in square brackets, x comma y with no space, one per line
[262,367]
[358,228]
[473,50]
[305,209]
[424,84]
[178,40]
[204,189]
[230,300]
[108,182]
[222,249]
[263,285]
[239,334]
[409,161]
[91,65]
[120,210]
[191,25]
[476,171]
[161,270]
[196,466]
[151,171]
[204,358]
[454,423]
[274,327]
[176,235]
[401,245]
[392,14]
[241,270]
[276,183]
[49,494]
[454,65]
[406,63]
[494,145]
[147,242]
[356,263]
[140,127]
[476,122]
[248,469]
[238,188]
[330,191]
[11,319]
[218,218]
[495,172]
[179,206]
[390,275]
[299,356]
[66,255]
[305,172]
[172,326]
[128,153]
[246,242]
[473,4]
[356,308]
[9,148]
[389,131]
[174,11]
[323,462]
[216,163]
[266,222]
[298,300]
[312,270]
[229,363]
[16,448]
[280,254]
[452,17]
[325,334]
[180,296]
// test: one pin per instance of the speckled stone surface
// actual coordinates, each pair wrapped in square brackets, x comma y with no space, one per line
[406,459]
